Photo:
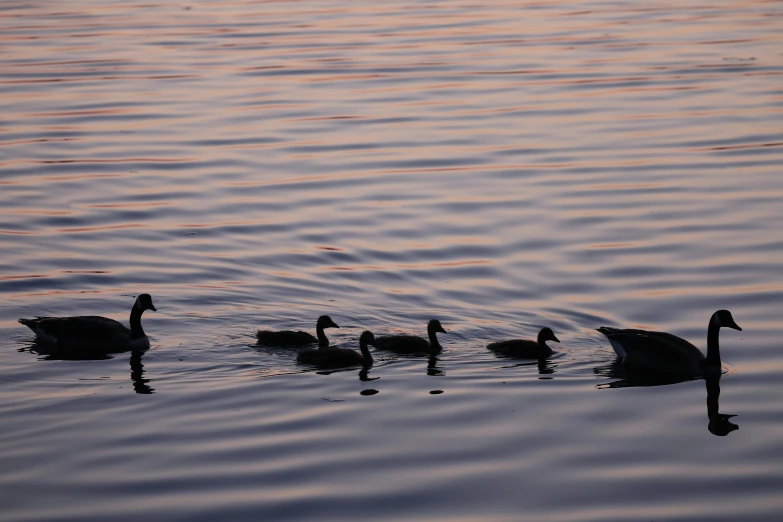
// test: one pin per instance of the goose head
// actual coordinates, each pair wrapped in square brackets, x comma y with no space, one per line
[723,318]
[546,334]
[434,326]
[144,302]
[367,339]
[326,322]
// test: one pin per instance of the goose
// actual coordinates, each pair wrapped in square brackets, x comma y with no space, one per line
[413,343]
[525,348]
[94,333]
[291,339]
[333,357]
[660,352]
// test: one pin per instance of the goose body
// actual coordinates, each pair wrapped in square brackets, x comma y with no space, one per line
[292,339]
[333,357]
[95,333]
[526,349]
[661,352]
[413,343]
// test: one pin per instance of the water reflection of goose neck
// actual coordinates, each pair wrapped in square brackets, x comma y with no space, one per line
[137,374]
[719,423]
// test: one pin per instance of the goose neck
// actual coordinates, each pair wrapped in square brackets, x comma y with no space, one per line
[135,323]
[541,341]
[435,346]
[323,342]
[713,350]
[367,359]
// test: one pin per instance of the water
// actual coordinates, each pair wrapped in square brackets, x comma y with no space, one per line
[498,166]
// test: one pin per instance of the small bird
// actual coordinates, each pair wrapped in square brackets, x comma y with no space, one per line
[412,343]
[291,339]
[94,333]
[660,352]
[526,349]
[333,357]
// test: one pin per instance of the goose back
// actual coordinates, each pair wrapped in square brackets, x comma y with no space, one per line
[285,338]
[334,357]
[296,339]
[524,348]
[403,343]
[411,344]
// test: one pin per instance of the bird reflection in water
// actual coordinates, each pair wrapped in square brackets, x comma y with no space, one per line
[719,423]
[364,375]
[137,374]
[546,365]
[432,367]
[50,352]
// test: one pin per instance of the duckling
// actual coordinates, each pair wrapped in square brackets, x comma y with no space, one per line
[94,333]
[660,352]
[412,343]
[526,349]
[333,357]
[291,339]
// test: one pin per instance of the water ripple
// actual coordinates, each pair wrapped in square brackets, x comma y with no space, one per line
[500,167]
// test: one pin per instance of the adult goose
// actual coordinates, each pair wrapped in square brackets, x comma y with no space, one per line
[413,343]
[291,339]
[94,333]
[526,349]
[333,357]
[660,352]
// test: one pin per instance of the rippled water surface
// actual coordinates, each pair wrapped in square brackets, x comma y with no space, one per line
[498,165]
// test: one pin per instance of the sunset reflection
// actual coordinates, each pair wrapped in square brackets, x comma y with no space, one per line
[500,166]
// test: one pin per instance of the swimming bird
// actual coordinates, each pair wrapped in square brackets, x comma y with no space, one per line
[413,343]
[291,339]
[660,352]
[94,333]
[526,349]
[333,357]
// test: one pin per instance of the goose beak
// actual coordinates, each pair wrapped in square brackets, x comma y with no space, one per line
[554,338]
[734,326]
[152,307]
[334,325]
[441,329]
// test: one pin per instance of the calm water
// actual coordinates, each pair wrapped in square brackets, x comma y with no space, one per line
[498,166]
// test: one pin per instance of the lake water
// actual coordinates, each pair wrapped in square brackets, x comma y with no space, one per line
[501,166]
